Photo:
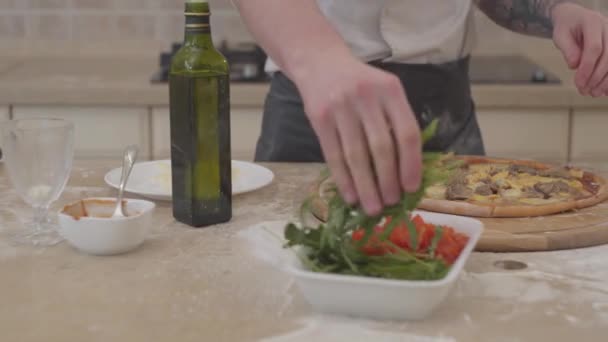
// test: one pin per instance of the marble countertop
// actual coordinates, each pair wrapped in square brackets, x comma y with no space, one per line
[206,284]
[118,74]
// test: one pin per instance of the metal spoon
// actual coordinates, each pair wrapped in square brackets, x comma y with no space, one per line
[127,165]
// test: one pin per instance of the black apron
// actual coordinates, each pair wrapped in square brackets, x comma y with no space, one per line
[433,90]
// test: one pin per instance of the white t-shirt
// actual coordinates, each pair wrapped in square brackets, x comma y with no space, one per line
[402,31]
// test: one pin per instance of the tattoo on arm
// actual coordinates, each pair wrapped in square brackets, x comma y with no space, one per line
[532,17]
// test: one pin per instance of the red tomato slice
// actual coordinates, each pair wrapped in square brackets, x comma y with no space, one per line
[448,248]
[418,221]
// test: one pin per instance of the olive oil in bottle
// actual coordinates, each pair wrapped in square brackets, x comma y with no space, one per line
[199,90]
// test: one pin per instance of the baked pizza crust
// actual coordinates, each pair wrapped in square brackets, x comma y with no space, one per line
[456,208]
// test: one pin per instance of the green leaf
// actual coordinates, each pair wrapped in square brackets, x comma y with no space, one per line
[325,173]
[332,249]
[303,236]
[389,228]
[435,241]
[294,235]
[348,261]
[413,234]
[429,131]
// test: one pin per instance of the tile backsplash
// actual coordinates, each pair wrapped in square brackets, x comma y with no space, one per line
[160,20]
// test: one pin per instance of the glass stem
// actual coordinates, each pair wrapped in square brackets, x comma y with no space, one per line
[40,218]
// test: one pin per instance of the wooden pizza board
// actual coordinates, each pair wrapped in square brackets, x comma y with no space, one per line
[575,229]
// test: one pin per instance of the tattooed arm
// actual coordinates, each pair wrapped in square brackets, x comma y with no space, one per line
[532,17]
[579,33]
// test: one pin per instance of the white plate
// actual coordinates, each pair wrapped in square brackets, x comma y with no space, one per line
[153,179]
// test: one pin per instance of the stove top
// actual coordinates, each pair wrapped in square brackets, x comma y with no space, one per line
[247,65]
[509,69]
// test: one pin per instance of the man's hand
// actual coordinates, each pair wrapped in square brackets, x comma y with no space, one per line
[582,37]
[352,108]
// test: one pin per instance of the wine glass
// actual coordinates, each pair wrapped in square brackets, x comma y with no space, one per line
[38,156]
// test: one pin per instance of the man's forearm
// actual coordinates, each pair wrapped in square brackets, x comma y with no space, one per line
[295,34]
[532,17]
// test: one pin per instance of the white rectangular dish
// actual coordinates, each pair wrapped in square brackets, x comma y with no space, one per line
[360,296]
[385,298]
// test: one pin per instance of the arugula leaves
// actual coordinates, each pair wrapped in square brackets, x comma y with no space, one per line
[329,247]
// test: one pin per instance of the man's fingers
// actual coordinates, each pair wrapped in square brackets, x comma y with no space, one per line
[380,142]
[358,160]
[334,157]
[597,84]
[601,68]
[593,48]
[567,44]
[406,134]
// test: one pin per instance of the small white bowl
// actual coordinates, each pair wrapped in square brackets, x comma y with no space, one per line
[88,226]
[379,298]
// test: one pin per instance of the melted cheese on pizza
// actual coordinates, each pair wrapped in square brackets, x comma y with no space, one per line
[495,183]
[436,191]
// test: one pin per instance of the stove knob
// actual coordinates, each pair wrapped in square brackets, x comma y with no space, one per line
[539,76]
[165,59]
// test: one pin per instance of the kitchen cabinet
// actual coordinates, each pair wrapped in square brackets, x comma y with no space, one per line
[100,132]
[529,134]
[245,128]
[588,134]
[4,113]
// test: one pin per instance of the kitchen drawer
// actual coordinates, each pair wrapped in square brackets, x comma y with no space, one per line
[100,132]
[245,129]
[589,135]
[529,134]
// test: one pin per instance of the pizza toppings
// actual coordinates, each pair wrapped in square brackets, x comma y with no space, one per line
[458,191]
[457,187]
[549,189]
[589,183]
[515,169]
[512,183]
[532,193]
[484,189]
[458,177]
[576,173]
[510,193]
[556,173]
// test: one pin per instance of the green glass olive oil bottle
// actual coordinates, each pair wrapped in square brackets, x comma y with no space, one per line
[199,88]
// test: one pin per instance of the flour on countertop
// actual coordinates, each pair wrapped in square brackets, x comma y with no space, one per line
[7,251]
[265,241]
[321,328]
[567,287]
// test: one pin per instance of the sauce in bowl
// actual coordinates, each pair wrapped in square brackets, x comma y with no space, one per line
[98,208]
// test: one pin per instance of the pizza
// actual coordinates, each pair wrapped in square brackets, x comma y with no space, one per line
[492,187]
